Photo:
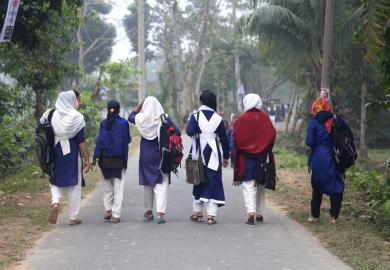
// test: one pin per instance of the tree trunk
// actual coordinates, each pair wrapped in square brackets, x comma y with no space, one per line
[188,88]
[141,51]
[363,154]
[38,103]
[98,84]
[298,110]
[327,45]
[290,110]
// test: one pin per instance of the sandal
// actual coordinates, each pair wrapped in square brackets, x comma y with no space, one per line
[313,220]
[334,221]
[197,217]
[259,218]
[149,215]
[74,221]
[211,221]
[55,209]
[161,219]
[116,220]
[108,215]
[251,220]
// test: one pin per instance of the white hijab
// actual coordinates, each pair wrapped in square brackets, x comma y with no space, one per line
[66,121]
[148,120]
[252,101]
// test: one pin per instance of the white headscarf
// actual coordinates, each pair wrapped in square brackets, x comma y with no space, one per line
[148,120]
[66,121]
[252,101]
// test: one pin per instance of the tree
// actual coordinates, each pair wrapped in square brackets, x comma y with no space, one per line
[42,37]
[130,22]
[94,36]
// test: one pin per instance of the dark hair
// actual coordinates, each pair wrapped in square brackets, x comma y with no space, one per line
[209,99]
[76,93]
[113,108]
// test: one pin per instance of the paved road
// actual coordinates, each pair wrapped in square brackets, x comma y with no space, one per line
[278,243]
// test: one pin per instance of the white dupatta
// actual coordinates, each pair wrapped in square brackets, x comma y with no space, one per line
[148,120]
[66,121]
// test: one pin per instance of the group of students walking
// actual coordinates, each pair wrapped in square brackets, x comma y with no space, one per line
[253,134]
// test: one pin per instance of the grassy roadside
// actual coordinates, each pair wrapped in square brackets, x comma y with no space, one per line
[356,239]
[25,206]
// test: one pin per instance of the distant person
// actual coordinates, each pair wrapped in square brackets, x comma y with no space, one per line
[212,133]
[325,179]
[69,142]
[111,150]
[254,137]
[146,118]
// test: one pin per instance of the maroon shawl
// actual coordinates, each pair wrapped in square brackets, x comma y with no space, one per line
[253,133]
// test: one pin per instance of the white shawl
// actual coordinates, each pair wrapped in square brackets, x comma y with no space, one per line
[66,121]
[251,101]
[148,120]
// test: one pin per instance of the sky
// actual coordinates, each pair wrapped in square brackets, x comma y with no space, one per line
[122,47]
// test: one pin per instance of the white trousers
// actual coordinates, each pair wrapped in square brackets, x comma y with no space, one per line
[158,193]
[212,208]
[254,197]
[74,195]
[113,195]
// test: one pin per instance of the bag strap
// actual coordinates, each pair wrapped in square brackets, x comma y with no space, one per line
[50,115]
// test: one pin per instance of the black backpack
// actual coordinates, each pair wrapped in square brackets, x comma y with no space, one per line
[171,147]
[344,148]
[44,140]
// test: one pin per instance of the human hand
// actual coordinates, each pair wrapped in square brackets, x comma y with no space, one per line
[225,163]
[86,166]
[139,107]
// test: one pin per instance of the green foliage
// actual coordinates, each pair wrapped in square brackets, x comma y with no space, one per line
[377,194]
[16,144]
[93,114]
[131,26]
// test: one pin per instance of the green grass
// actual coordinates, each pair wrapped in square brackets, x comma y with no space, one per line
[289,160]
[357,239]
[28,180]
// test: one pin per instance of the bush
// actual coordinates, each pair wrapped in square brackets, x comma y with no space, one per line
[377,195]
[16,146]
[93,113]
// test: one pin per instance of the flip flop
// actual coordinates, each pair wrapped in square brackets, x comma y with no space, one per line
[54,213]
[74,222]
[197,218]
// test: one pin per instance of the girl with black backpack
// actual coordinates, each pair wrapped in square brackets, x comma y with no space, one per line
[111,151]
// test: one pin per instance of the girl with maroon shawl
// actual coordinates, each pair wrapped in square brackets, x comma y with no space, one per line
[254,135]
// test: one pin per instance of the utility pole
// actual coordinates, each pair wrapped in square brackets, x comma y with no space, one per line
[237,67]
[327,46]
[141,51]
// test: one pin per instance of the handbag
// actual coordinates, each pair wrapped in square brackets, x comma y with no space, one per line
[194,168]
[115,162]
[266,173]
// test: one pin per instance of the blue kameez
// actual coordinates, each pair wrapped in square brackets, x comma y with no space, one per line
[119,144]
[150,158]
[212,190]
[65,168]
[324,174]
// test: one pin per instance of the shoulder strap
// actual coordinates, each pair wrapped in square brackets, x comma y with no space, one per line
[50,115]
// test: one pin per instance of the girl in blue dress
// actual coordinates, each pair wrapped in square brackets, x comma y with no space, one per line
[69,140]
[212,135]
[146,118]
[113,145]
[325,179]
